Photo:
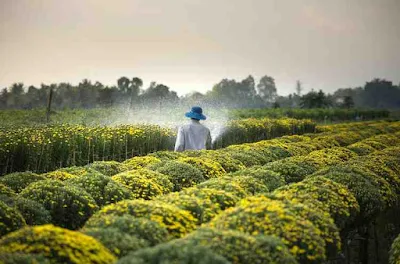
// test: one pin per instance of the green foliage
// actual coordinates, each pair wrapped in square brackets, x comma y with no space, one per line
[181,174]
[22,258]
[250,184]
[20,180]
[166,155]
[68,205]
[6,191]
[227,162]
[108,168]
[222,198]
[202,209]
[238,247]
[269,178]
[57,244]
[261,215]
[119,243]
[178,222]
[10,219]
[144,183]
[33,212]
[291,171]
[102,188]
[395,251]
[174,253]
[209,168]
[151,231]
[140,162]
[361,148]
[79,171]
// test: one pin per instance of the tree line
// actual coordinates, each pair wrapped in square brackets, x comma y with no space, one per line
[229,93]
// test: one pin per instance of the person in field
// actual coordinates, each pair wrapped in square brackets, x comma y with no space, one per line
[193,136]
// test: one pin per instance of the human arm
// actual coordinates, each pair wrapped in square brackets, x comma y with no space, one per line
[180,141]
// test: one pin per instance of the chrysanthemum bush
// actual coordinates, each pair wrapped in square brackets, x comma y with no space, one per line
[174,253]
[69,206]
[6,191]
[269,178]
[10,219]
[226,185]
[119,243]
[261,215]
[202,209]
[79,171]
[178,222]
[151,231]
[20,180]
[324,194]
[224,199]
[209,168]
[181,174]
[108,168]
[363,184]
[291,171]
[102,188]
[144,183]
[227,162]
[141,162]
[239,247]
[250,184]
[57,244]
[395,251]
[23,258]
[59,175]
[32,211]
[361,148]
[166,155]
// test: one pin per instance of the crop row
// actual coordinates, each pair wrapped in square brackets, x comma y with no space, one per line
[41,149]
[331,115]
[161,220]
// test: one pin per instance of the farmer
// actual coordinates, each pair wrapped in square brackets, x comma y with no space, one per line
[193,136]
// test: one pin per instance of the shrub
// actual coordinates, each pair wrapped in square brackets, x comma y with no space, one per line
[227,162]
[79,171]
[68,205]
[395,251]
[57,244]
[6,191]
[361,148]
[209,168]
[59,175]
[289,170]
[325,194]
[10,219]
[367,193]
[178,222]
[202,209]
[119,243]
[141,162]
[102,188]
[19,258]
[226,185]
[17,181]
[250,184]
[269,178]
[140,227]
[238,247]
[33,212]
[261,215]
[332,156]
[375,144]
[222,198]
[166,155]
[108,168]
[173,253]
[181,174]
[144,183]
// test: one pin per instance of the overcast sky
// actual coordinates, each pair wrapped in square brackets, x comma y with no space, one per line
[192,44]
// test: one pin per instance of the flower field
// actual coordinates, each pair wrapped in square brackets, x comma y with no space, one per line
[293,199]
[45,148]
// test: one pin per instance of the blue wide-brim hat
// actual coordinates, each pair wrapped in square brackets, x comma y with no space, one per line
[196,113]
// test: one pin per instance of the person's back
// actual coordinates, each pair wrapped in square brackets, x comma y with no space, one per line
[193,136]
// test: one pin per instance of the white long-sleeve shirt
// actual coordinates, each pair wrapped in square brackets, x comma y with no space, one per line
[193,136]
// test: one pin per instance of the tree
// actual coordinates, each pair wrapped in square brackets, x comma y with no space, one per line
[123,84]
[315,100]
[135,86]
[4,98]
[348,102]
[266,89]
[299,88]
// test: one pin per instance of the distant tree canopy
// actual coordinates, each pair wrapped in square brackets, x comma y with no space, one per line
[378,93]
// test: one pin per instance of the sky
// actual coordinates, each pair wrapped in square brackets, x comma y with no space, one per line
[193,44]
